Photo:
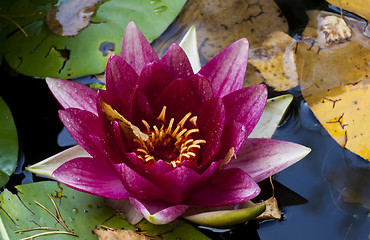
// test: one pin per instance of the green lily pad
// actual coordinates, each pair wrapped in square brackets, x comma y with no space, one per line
[8,143]
[46,52]
[81,212]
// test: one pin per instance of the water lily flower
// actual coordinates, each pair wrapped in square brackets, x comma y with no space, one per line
[164,137]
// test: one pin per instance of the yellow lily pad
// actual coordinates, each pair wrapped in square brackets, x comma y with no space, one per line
[334,80]
[360,7]
[275,60]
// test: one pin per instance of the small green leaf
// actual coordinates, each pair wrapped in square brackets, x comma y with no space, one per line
[8,143]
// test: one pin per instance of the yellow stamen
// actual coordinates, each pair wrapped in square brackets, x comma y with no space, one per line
[183,120]
[169,129]
[146,125]
[194,130]
[180,134]
[162,115]
[177,145]
[156,130]
[194,120]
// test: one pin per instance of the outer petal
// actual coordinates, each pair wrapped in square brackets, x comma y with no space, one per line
[177,185]
[176,63]
[137,185]
[136,50]
[226,187]
[262,157]
[226,70]
[245,106]
[73,94]
[189,45]
[92,176]
[84,126]
[49,165]
[158,212]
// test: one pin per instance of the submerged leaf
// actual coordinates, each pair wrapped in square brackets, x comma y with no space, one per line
[335,82]
[8,143]
[43,53]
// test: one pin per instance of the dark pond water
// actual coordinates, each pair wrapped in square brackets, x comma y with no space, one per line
[326,195]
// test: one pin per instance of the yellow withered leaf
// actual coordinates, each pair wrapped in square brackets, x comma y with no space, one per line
[131,131]
[275,60]
[334,78]
[359,7]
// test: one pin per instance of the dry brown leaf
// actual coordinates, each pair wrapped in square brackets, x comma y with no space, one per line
[335,82]
[275,60]
[118,234]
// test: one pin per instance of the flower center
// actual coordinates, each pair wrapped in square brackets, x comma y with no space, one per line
[171,144]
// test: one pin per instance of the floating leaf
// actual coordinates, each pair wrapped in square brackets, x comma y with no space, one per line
[335,82]
[8,143]
[360,7]
[275,61]
[178,229]
[46,54]
[79,211]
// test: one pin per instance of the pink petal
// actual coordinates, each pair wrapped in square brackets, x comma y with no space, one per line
[233,136]
[179,99]
[261,157]
[179,184]
[202,88]
[73,94]
[226,187]
[84,126]
[158,212]
[92,176]
[176,62]
[226,70]
[136,50]
[137,185]
[141,109]
[121,83]
[153,79]
[246,106]
[211,122]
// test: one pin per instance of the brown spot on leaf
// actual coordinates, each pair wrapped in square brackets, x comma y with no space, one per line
[69,19]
